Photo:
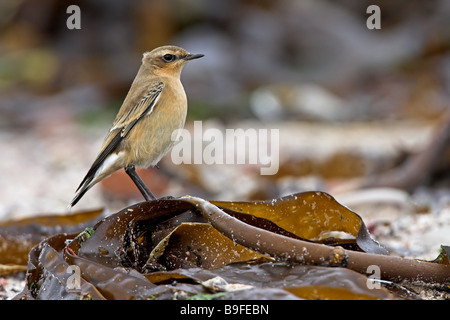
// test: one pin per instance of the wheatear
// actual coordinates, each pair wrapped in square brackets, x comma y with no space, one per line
[154,107]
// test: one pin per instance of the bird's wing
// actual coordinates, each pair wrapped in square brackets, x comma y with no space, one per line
[128,118]
[124,122]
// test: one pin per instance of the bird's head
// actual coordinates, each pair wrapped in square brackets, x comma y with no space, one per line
[168,60]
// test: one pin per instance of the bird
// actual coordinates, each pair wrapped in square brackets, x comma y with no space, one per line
[155,106]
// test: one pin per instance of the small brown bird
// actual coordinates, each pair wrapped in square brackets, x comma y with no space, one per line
[154,107]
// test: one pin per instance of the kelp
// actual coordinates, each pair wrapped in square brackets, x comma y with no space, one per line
[313,216]
[303,246]
[18,237]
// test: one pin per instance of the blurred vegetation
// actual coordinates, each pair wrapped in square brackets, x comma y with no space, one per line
[400,70]
[301,66]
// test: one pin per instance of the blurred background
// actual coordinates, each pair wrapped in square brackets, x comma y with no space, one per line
[350,103]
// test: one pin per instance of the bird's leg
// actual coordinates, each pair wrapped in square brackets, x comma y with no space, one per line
[148,195]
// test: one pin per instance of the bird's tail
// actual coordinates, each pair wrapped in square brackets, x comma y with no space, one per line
[85,185]
[102,167]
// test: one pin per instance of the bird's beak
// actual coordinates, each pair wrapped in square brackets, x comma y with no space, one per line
[193,56]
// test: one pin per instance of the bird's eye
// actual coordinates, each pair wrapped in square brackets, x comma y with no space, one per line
[168,57]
